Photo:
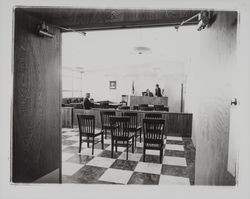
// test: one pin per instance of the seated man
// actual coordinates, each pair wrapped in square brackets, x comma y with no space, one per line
[148,93]
[87,103]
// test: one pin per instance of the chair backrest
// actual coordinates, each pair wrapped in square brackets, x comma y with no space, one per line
[136,107]
[166,109]
[147,108]
[119,126]
[153,115]
[133,119]
[124,107]
[159,107]
[104,104]
[86,124]
[153,130]
[105,117]
[142,106]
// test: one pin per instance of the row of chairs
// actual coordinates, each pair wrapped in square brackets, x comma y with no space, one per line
[145,107]
[124,131]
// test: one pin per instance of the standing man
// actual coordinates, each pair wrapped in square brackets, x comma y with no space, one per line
[158,91]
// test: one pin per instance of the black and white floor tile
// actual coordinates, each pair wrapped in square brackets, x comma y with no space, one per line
[177,167]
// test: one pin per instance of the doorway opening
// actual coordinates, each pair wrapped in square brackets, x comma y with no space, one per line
[137,60]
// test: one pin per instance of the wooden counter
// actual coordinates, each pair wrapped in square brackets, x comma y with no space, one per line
[177,124]
[67,117]
[136,100]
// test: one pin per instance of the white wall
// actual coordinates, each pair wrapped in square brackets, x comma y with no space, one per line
[71,83]
[98,84]
[111,55]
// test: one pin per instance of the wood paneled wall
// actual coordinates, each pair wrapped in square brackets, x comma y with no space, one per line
[211,96]
[36,103]
[67,117]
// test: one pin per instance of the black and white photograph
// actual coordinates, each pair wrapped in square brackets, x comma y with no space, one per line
[129,96]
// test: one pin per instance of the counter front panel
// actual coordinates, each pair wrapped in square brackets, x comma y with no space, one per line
[137,100]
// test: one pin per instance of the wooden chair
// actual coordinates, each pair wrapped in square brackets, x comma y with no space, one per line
[133,125]
[87,129]
[153,130]
[153,115]
[159,107]
[166,108]
[147,108]
[120,134]
[136,107]
[124,107]
[105,120]
[142,106]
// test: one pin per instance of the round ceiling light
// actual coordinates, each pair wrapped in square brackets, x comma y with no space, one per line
[142,50]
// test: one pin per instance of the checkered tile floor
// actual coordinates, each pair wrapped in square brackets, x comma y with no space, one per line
[177,166]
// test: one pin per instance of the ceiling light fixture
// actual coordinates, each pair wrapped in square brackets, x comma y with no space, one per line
[142,50]
[72,30]
[182,23]
[205,18]
[43,30]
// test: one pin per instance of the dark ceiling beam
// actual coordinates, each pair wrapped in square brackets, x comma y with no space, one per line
[95,19]
[113,26]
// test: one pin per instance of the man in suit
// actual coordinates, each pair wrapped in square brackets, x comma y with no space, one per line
[87,103]
[148,93]
[158,91]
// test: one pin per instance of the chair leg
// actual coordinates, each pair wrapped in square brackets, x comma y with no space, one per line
[116,146]
[161,153]
[112,147]
[80,145]
[135,137]
[127,149]
[133,140]
[93,146]
[105,133]
[144,154]
[140,135]
[102,142]
[88,142]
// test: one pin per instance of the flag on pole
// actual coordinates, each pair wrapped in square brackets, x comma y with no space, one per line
[133,88]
